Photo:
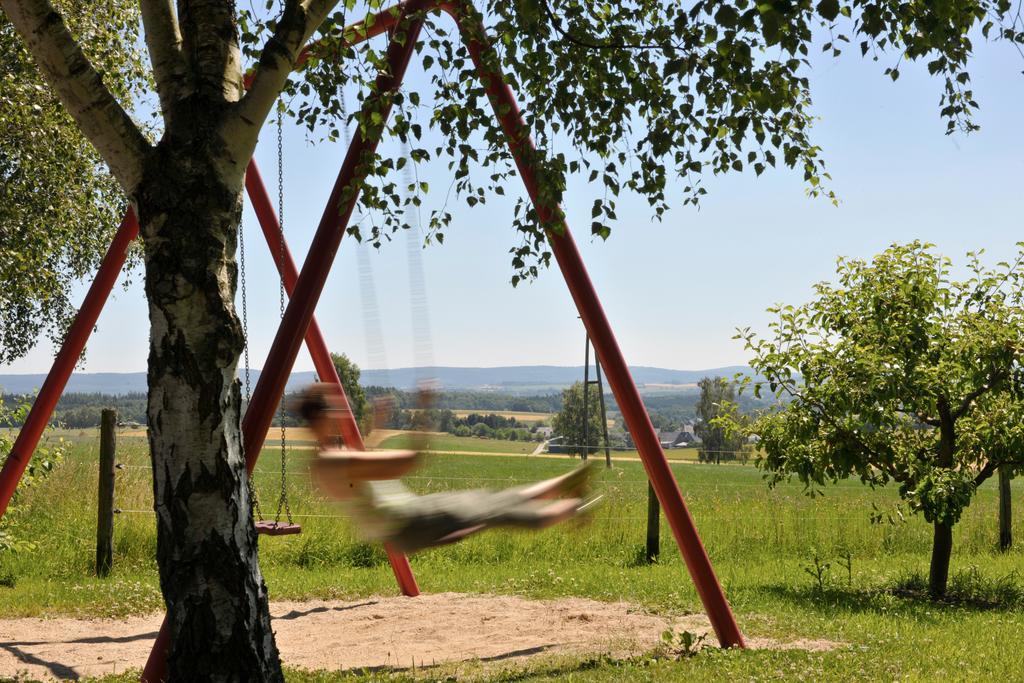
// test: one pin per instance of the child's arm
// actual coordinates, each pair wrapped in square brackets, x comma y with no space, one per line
[371,465]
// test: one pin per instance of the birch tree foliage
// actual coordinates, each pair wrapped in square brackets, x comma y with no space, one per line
[643,96]
[59,206]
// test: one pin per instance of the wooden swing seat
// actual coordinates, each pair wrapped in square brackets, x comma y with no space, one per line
[267,527]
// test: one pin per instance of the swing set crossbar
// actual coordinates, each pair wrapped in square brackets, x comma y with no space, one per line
[403,23]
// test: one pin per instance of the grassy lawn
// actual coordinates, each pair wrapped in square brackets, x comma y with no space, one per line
[764,544]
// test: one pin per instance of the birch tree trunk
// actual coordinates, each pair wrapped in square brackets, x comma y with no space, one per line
[187,190]
[206,543]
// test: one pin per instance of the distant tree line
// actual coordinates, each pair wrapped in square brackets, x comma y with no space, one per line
[81,411]
[668,411]
[671,411]
[718,400]
[487,426]
[484,401]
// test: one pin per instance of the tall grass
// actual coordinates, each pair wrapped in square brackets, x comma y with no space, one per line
[747,529]
[792,566]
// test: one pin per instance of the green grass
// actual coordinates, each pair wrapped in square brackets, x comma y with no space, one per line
[762,542]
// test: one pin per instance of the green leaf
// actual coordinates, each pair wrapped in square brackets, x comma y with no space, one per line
[828,9]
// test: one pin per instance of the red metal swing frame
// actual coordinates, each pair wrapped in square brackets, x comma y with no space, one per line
[403,22]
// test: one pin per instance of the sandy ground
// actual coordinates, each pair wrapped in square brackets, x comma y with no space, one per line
[481,631]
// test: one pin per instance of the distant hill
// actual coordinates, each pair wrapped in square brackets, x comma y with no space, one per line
[516,379]
[524,377]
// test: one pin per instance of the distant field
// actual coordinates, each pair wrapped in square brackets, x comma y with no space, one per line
[294,434]
[673,454]
[458,444]
[472,444]
[522,417]
[668,387]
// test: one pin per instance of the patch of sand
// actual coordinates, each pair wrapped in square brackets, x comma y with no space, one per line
[393,632]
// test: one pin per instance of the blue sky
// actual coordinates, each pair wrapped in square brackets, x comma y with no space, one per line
[674,291]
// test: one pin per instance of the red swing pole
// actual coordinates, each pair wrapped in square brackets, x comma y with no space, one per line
[340,205]
[589,306]
[66,359]
[318,350]
[315,341]
[310,282]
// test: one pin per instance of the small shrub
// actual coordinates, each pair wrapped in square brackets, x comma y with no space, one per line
[818,570]
[365,555]
[682,644]
[967,587]
[8,578]
[847,563]
[639,558]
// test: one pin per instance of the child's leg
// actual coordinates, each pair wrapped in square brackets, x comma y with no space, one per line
[527,516]
[555,512]
[572,483]
[443,518]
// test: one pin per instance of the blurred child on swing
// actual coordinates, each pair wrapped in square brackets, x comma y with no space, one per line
[385,510]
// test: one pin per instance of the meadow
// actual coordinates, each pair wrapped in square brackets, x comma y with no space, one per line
[449,444]
[792,566]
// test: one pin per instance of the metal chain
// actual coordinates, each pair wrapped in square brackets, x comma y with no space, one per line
[422,346]
[282,501]
[253,496]
[245,310]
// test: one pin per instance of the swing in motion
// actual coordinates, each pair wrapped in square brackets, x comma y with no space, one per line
[385,510]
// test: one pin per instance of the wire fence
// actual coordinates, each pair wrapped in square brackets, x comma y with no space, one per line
[524,480]
[606,484]
[595,518]
[595,448]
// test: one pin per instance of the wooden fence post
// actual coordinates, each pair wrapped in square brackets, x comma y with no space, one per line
[653,525]
[105,518]
[1005,510]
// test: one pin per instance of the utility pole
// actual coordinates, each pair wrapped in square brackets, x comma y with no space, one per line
[585,453]
[604,413]
[586,404]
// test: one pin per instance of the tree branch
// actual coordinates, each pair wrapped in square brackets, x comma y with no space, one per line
[923,419]
[211,51]
[987,471]
[823,413]
[297,24]
[965,404]
[80,88]
[163,39]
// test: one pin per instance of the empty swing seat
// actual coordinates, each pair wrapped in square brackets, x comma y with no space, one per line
[267,527]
